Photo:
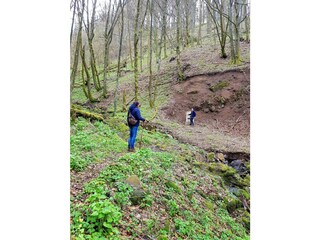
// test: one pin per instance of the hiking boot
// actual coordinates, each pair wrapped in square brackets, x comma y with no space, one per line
[133,150]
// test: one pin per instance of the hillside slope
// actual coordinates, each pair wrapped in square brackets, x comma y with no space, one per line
[183,182]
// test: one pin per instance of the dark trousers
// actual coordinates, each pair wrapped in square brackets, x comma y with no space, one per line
[191,121]
[133,136]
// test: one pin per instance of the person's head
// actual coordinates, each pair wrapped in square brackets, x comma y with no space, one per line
[191,109]
[137,104]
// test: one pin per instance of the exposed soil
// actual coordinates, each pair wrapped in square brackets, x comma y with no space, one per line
[226,109]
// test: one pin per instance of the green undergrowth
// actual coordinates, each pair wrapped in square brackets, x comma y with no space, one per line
[92,142]
[174,200]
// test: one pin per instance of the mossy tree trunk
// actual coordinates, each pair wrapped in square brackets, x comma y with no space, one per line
[87,81]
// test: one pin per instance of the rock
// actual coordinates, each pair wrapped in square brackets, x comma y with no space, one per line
[137,196]
[220,157]
[206,110]
[233,204]
[138,193]
[172,59]
[212,109]
[239,166]
[134,181]
[229,174]
[193,92]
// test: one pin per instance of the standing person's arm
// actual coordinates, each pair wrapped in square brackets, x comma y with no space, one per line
[139,115]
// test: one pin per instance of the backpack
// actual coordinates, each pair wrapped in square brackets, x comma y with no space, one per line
[131,119]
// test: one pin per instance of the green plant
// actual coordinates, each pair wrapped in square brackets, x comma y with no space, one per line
[122,196]
[173,207]
[101,216]
[147,201]
[183,227]
[219,86]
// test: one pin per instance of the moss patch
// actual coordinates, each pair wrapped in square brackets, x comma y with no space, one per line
[219,86]
[172,185]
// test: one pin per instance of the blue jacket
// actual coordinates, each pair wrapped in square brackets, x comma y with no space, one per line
[135,111]
[193,114]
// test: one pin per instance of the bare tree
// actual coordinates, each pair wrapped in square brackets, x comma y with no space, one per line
[73,5]
[137,26]
[220,25]
[179,69]
[89,27]
[110,22]
[200,23]
[78,46]
[119,58]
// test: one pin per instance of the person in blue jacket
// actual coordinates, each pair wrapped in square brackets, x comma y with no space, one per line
[192,116]
[135,111]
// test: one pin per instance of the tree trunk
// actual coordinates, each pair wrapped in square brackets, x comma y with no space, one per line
[247,27]
[237,34]
[180,73]
[150,55]
[85,68]
[233,56]
[200,22]
[141,49]
[223,30]
[119,59]
[135,45]
[76,53]
[129,41]
[90,34]
[111,19]
[75,3]
[124,100]
[77,111]
[187,19]
[164,27]
[135,48]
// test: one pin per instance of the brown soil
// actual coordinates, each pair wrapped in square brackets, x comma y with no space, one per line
[226,109]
